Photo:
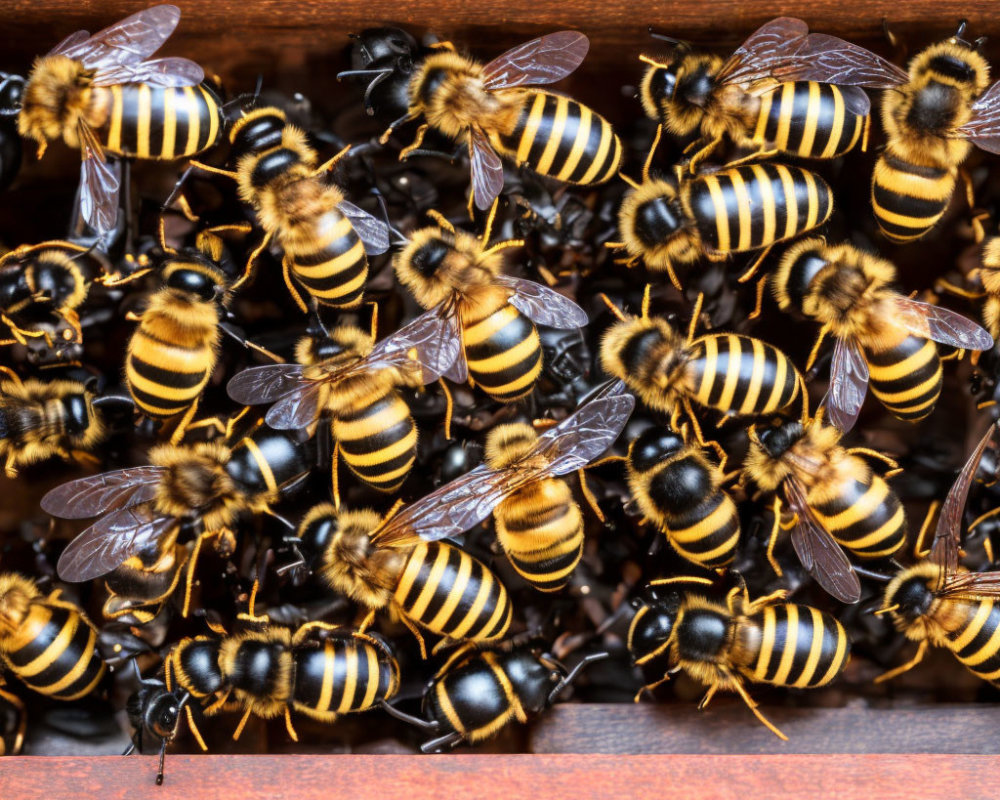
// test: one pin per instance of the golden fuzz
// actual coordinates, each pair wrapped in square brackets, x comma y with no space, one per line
[56,98]
[16,595]
[280,676]
[507,444]
[661,380]
[465,266]
[683,246]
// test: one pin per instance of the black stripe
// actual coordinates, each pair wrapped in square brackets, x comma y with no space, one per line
[166,377]
[778,193]
[803,643]
[147,401]
[773,115]
[45,636]
[479,629]
[891,200]
[205,114]
[723,364]
[335,248]
[157,115]
[591,148]
[799,115]
[181,122]
[780,643]
[445,585]
[923,171]
[565,146]
[320,283]
[544,131]
[986,630]
[521,522]
[824,112]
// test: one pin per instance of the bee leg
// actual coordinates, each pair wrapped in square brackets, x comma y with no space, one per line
[814,353]
[773,538]
[11,374]
[9,469]
[460,652]
[970,194]
[292,290]
[442,743]
[750,158]
[416,633]
[742,692]
[449,408]
[648,163]
[335,475]
[431,726]
[703,153]
[865,133]
[239,728]
[232,333]
[22,725]
[415,144]
[163,756]
[650,686]
[288,724]
[897,671]
[755,266]
[589,495]
[695,316]
[875,454]
[982,518]
[217,704]
[573,674]
[178,435]
[189,577]
[251,263]
[329,164]
[194,729]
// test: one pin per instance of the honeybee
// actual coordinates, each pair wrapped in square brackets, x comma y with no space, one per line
[989,276]
[486,105]
[355,381]
[819,482]
[724,644]
[784,90]
[13,722]
[538,524]
[47,642]
[457,276]
[208,484]
[938,602]
[326,239]
[880,334]
[101,96]
[155,712]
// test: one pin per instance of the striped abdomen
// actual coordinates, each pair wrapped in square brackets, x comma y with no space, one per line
[53,651]
[562,139]
[793,645]
[976,642]
[864,516]
[452,594]
[502,348]
[807,119]
[159,122]
[475,698]
[344,675]
[909,199]
[741,375]
[906,377]
[540,528]
[378,440]
[753,206]
[330,264]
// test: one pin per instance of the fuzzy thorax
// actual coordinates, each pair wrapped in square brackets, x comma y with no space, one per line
[182,319]
[196,481]
[508,444]
[650,356]
[437,265]
[655,225]
[819,443]
[16,595]
[56,98]
[918,627]
[237,658]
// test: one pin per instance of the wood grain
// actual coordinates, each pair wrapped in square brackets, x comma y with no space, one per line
[481,777]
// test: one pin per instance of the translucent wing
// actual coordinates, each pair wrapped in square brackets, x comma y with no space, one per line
[542,304]
[374,233]
[129,41]
[983,127]
[487,170]
[971,584]
[856,100]
[299,409]
[940,324]
[819,553]
[69,43]
[88,497]
[547,59]
[158,72]
[430,338]
[99,183]
[106,544]
[848,384]
[948,533]
[763,48]
[265,384]
[827,59]
[458,370]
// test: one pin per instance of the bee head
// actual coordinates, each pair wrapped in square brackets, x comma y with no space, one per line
[258,131]
[652,629]
[652,446]
[676,92]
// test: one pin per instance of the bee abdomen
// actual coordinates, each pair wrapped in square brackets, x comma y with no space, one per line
[379,442]
[742,375]
[342,676]
[865,517]
[336,270]
[799,646]
[708,533]
[563,139]
[476,698]
[504,353]
[162,122]
[807,119]
[453,594]
[906,378]
[164,378]
[750,207]
[909,199]
[977,643]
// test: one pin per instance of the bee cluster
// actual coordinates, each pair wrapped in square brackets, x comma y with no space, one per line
[302,426]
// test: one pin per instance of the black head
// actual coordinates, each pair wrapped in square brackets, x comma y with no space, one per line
[379,47]
[652,446]
[77,413]
[801,274]
[656,220]
[258,132]
[53,279]
[193,279]
[315,536]
[273,165]
[913,596]
[156,710]
[11,92]
[652,626]
[428,259]
[385,58]
[777,440]
[532,677]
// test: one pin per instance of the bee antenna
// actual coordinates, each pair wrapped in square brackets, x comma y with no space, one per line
[573,674]
[962,24]
[680,44]
[978,44]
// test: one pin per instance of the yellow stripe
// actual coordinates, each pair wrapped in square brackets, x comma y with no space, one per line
[762,114]
[791,643]
[711,361]
[169,124]
[903,220]
[838,124]
[262,465]
[743,209]
[360,429]
[449,710]
[430,585]
[811,120]
[732,373]
[988,649]
[142,121]
[455,595]
[780,374]
[502,609]
[350,680]
[193,121]
[815,649]
[838,659]
[56,647]
[115,129]
[902,369]
[485,586]
[213,125]
[812,218]
[482,331]
[579,143]
[162,392]
[973,628]
[374,673]
[768,204]
[766,644]
[863,507]
[608,139]
[326,690]
[756,377]
[791,207]
[705,527]
[531,127]
[555,136]
[507,358]
[383,455]
[721,217]
[785,115]
[410,572]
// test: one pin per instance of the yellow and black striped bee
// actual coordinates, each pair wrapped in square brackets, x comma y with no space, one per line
[680,491]
[154,712]
[722,645]
[538,524]
[13,722]
[757,97]
[487,107]
[837,500]
[881,336]
[348,376]
[457,275]
[46,642]
[208,484]
[101,96]
[988,273]
[938,602]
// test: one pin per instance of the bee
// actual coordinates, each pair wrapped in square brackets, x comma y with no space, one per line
[837,500]
[487,107]
[154,712]
[11,152]
[13,722]
[208,484]
[47,642]
[386,57]
[326,239]
[988,273]
[723,645]
[101,96]
[493,316]
[355,381]
[139,588]
[538,524]
[680,491]
[938,602]
[880,335]
[758,97]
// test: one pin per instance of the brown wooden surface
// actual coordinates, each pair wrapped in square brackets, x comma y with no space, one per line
[482,777]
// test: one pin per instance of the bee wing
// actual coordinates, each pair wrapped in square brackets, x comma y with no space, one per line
[848,384]
[374,233]
[298,409]
[548,59]
[99,183]
[971,584]
[821,556]
[983,127]
[265,384]
[429,340]
[71,41]
[128,41]
[106,544]
[487,169]
[948,533]
[856,100]
[940,324]
[171,71]
[97,494]
[542,304]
